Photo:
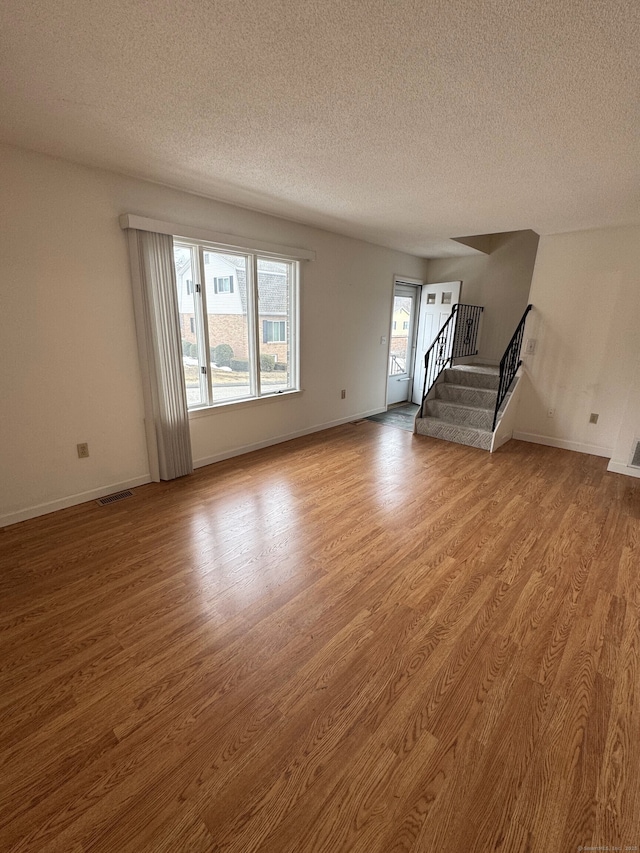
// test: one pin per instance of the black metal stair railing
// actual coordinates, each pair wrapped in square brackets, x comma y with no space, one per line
[458,338]
[509,364]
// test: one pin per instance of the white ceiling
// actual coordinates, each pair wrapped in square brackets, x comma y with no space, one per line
[403,122]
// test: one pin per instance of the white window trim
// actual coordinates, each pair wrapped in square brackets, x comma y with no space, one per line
[226,242]
[244,402]
[253,328]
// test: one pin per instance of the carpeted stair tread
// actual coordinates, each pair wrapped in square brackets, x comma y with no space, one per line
[469,435]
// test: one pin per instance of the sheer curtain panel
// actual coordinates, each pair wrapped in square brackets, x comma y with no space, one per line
[160,349]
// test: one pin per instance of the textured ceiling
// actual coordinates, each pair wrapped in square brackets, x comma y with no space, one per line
[403,122]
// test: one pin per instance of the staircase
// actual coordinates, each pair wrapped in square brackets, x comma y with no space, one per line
[465,403]
[462,406]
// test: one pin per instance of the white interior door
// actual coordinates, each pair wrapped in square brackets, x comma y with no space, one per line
[402,347]
[436,305]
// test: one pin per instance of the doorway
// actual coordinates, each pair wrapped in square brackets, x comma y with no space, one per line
[436,306]
[402,344]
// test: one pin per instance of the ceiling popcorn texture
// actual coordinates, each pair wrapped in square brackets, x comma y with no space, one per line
[400,122]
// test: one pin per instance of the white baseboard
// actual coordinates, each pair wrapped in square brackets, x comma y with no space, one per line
[94,494]
[621,468]
[259,445]
[71,500]
[576,446]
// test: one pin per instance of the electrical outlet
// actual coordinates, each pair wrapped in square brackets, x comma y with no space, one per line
[593,418]
[383,340]
[550,413]
[343,394]
[83,450]
[530,346]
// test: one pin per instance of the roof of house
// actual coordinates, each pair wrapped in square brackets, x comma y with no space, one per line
[272,286]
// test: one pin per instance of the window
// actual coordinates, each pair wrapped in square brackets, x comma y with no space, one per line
[274,331]
[405,325]
[247,344]
[221,284]
[395,325]
[189,288]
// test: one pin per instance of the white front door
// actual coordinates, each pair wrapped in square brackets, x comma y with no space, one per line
[436,305]
[402,348]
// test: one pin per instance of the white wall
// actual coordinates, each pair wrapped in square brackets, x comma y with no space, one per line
[500,281]
[68,361]
[586,297]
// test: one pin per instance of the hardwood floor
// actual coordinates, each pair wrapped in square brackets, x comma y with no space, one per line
[362,640]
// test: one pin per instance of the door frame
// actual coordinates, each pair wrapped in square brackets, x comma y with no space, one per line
[410,282]
[418,374]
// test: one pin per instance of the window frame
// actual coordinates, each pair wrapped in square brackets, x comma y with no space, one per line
[252,257]
[219,278]
[272,340]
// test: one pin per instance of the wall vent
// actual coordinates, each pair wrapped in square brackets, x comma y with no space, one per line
[110,499]
[635,459]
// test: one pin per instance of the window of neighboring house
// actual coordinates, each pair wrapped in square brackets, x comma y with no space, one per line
[248,355]
[395,325]
[189,288]
[192,324]
[405,325]
[221,284]
[274,331]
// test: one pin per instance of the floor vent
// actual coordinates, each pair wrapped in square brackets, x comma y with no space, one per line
[635,461]
[111,499]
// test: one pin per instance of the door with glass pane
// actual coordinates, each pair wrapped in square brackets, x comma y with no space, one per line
[402,344]
[436,305]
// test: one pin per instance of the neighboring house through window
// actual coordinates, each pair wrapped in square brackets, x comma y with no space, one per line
[242,308]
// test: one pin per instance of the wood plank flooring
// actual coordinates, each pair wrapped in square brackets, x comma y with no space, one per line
[362,640]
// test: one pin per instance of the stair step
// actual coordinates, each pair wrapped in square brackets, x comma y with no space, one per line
[465,394]
[473,377]
[471,436]
[461,414]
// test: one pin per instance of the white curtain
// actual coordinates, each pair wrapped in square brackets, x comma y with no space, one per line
[160,348]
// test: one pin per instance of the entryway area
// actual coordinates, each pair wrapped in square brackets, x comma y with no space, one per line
[402,343]
[418,313]
[401,416]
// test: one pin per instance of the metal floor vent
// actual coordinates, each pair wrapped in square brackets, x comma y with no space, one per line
[110,499]
[635,462]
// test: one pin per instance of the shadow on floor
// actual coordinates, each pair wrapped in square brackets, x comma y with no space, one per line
[401,417]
